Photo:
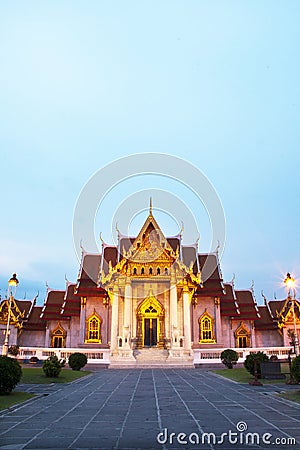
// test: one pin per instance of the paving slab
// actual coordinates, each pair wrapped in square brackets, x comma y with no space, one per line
[152,409]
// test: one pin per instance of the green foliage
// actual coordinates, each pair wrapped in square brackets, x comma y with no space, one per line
[296,368]
[14,398]
[13,350]
[249,362]
[229,358]
[10,374]
[77,360]
[52,366]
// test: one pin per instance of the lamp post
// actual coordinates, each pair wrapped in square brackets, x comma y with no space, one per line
[12,288]
[289,281]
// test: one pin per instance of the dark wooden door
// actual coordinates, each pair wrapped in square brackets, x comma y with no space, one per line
[150,332]
[147,333]
[57,342]
[154,332]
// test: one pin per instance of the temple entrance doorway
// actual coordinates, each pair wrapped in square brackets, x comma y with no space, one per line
[150,332]
[150,323]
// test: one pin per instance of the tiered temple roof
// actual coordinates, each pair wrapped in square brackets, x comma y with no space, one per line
[64,304]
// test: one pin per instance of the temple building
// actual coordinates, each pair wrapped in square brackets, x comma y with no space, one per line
[150,295]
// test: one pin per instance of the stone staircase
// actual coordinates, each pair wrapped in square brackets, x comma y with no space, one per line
[151,358]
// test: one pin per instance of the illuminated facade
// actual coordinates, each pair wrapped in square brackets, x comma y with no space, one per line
[150,291]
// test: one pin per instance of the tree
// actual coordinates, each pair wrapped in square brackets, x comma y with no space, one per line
[296,368]
[77,360]
[10,374]
[13,350]
[229,358]
[52,366]
[250,365]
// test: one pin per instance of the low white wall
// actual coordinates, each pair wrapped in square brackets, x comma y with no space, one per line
[210,356]
[102,356]
[94,356]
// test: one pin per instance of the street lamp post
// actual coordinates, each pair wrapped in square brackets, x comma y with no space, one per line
[12,288]
[289,281]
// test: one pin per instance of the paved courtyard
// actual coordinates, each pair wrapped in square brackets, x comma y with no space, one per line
[127,409]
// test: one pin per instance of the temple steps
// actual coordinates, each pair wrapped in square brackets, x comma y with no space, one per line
[150,355]
[151,358]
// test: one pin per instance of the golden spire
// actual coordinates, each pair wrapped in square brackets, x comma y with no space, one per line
[150,209]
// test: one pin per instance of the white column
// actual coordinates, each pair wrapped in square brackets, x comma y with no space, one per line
[114,319]
[127,313]
[82,326]
[68,338]
[186,318]
[173,311]
[218,324]
[47,336]
[253,337]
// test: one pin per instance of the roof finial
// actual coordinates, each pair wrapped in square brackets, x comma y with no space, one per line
[264,297]
[181,229]
[150,208]
[101,239]
[233,279]
[66,280]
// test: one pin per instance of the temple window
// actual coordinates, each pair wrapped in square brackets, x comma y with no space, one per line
[242,336]
[158,271]
[134,271]
[58,337]
[206,326]
[166,271]
[94,329]
[150,271]
[142,271]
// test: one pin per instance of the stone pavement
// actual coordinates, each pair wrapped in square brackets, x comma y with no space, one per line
[127,409]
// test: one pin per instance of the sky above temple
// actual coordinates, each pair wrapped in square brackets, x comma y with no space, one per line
[213,82]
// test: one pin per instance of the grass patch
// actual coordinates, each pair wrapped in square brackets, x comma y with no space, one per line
[293,395]
[241,375]
[36,376]
[237,374]
[6,401]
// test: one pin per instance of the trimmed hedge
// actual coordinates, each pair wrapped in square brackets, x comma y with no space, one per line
[249,362]
[52,366]
[296,368]
[10,374]
[229,357]
[77,361]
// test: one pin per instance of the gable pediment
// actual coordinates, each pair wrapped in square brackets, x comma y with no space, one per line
[150,245]
[16,315]
[286,314]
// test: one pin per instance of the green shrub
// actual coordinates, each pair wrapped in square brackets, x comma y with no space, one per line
[77,360]
[229,358]
[52,366]
[10,374]
[296,368]
[13,350]
[249,362]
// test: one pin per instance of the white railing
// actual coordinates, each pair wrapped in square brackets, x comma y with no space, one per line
[210,356]
[102,356]
[94,356]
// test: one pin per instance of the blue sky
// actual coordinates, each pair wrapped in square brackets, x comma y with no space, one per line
[85,82]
